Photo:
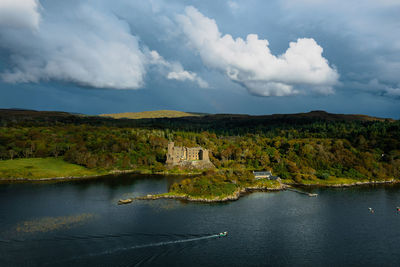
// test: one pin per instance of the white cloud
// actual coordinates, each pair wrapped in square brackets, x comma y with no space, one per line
[19,14]
[368,29]
[233,6]
[250,62]
[175,71]
[183,75]
[88,45]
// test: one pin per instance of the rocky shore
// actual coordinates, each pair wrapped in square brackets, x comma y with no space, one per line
[242,191]
[113,172]
[392,181]
[50,179]
[234,196]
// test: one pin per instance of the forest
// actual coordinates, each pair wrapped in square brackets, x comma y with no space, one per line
[301,148]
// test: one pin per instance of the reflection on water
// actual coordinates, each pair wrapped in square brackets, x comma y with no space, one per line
[47,224]
[167,204]
[80,224]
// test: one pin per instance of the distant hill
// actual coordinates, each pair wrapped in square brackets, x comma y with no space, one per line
[150,114]
[325,116]
[178,120]
[27,114]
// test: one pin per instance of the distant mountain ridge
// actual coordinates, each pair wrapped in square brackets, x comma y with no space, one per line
[161,117]
[150,114]
[323,115]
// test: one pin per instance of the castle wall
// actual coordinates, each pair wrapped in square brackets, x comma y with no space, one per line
[193,153]
[178,154]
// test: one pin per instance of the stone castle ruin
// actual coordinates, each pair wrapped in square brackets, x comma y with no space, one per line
[196,157]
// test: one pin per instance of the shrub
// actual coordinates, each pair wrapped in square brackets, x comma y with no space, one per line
[323,175]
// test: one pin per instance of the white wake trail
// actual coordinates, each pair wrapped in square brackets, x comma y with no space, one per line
[144,246]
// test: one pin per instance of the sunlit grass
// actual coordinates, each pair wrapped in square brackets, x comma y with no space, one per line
[150,114]
[270,184]
[36,168]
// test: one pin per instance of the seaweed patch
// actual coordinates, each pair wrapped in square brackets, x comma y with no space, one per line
[46,224]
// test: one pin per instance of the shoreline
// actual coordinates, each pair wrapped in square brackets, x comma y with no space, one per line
[392,181]
[243,191]
[50,179]
[87,177]
[147,172]
[233,197]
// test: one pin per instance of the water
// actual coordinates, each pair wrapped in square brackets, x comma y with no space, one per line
[79,224]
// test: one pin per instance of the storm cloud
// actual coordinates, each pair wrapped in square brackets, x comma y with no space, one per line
[254,56]
[87,45]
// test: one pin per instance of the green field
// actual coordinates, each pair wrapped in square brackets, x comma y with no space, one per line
[36,168]
[150,114]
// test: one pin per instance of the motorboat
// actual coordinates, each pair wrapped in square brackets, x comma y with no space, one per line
[371,210]
[223,234]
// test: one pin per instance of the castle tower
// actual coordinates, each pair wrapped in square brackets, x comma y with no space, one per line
[170,153]
[171,147]
[204,155]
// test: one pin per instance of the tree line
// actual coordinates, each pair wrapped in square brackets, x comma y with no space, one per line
[299,150]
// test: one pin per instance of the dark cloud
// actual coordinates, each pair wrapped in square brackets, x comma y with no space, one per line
[111,44]
[86,43]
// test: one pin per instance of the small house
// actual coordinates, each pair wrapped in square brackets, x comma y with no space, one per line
[264,175]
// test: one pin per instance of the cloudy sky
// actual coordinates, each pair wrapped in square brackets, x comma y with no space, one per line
[225,56]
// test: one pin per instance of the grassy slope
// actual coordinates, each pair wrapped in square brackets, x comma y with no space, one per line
[36,168]
[150,114]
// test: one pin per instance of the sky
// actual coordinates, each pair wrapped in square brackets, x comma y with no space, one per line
[220,56]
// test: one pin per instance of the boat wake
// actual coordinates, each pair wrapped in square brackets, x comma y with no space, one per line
[158,244]
[87,237]
[165,243]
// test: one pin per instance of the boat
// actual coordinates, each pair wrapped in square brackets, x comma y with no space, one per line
[371,210]
[125,201]
[223,234]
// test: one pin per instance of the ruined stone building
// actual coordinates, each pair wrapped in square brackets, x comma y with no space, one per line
[179,154]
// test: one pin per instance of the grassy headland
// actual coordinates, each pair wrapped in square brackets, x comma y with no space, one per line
[39,168]
[217,186]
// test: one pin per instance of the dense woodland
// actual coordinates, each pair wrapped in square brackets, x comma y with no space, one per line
[296,147]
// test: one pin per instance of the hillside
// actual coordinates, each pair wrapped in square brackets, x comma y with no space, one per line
[180,117]
[150,114]
[315,147]
[317,122]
